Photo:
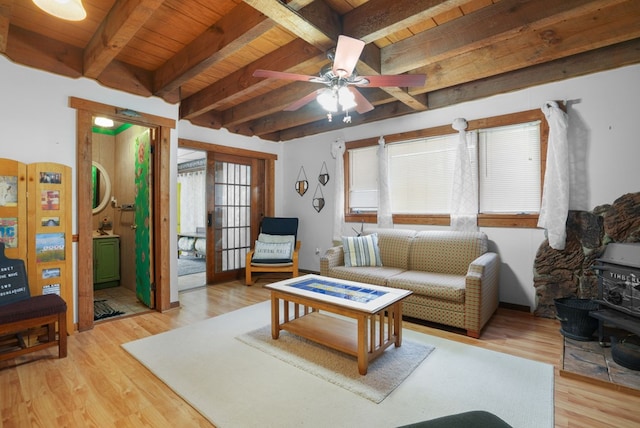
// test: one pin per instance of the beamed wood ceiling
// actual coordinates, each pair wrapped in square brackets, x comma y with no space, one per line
[202,53]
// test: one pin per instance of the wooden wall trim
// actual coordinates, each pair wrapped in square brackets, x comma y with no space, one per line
[144,119]
[162,185]
[227,150]
[85,111]
[84,221]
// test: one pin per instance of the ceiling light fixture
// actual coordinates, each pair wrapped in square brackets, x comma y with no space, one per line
[103,122]
[337,95]
[71,10]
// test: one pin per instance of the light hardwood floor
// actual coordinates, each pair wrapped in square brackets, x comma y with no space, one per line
[100,385]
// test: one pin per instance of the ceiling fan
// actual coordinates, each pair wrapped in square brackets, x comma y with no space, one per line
[341,80]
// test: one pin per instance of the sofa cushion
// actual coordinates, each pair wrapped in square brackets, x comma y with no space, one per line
[394,246]
[361,250]
[371,275]
[446,251]
[437,285]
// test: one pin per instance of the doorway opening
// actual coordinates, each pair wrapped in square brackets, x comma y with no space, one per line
[238,193]
[121,223]
[191,218]
[150,227]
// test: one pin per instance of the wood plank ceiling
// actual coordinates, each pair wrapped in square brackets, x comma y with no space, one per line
[202,53]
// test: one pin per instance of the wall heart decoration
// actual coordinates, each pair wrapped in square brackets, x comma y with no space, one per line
[302,184]
[318,199]
[323,178]
[318,204]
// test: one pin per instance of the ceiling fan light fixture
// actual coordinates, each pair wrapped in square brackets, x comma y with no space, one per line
[328,100]
[71,10]
[346,99]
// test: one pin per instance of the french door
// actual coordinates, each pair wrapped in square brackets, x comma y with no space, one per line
[235,204]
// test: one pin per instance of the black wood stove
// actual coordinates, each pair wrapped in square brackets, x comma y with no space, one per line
[618,288]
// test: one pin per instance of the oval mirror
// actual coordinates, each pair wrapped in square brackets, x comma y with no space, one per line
[101,185]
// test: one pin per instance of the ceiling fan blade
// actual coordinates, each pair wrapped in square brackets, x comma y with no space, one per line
[282,75]
[347,54]
[400,80]
[302,101]
[363,105]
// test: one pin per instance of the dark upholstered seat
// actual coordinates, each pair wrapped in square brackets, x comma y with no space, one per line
[33,312]
[472,419]
[34,307]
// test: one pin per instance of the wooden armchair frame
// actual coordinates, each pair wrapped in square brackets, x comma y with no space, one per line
[275,226]
[289,267]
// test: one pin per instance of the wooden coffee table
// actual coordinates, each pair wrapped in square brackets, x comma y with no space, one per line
[377,311]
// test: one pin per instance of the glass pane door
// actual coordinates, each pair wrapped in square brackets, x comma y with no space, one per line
[231,214]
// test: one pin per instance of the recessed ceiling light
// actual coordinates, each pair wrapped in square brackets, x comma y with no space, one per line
[103,122]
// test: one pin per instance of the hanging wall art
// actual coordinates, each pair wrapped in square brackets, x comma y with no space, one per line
[318,199]
[323,178]
[302,184]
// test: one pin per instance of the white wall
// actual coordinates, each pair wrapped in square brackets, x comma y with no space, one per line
[37,125]
[225,138]
[603,112]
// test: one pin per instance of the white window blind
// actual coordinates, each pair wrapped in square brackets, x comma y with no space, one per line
[509,176]
[421,173]
[507,163]
[363,179]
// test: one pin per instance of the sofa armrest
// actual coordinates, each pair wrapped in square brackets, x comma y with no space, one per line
[482,292]
[333,257]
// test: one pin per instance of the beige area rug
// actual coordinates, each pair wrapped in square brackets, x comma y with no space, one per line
[384,374]
[233,384]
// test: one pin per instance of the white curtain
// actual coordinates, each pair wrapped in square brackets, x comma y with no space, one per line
[192,200]
[337,151]
[464,191]
[385,217]
[555,193]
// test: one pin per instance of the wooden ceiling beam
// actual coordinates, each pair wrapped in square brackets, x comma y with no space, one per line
[287,58]
[616,24]
[35,50]
[508,18]
[235,30]
[6,7]
[124,20]
[269,103]
[128,78]
[607,58]
[210,119]
[376,19]
[316,23]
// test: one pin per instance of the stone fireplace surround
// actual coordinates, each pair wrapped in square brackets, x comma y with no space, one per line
[569,273]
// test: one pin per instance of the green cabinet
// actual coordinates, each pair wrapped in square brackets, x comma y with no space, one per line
[106,262]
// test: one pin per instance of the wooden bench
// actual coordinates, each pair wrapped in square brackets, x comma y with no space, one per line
[36,311]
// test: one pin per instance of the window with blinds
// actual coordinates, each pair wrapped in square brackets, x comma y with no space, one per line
[507,162]
[509,173]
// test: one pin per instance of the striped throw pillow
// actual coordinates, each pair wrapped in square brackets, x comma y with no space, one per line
[361,250]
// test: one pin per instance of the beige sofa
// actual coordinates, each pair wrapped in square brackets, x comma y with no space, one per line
[453,276]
